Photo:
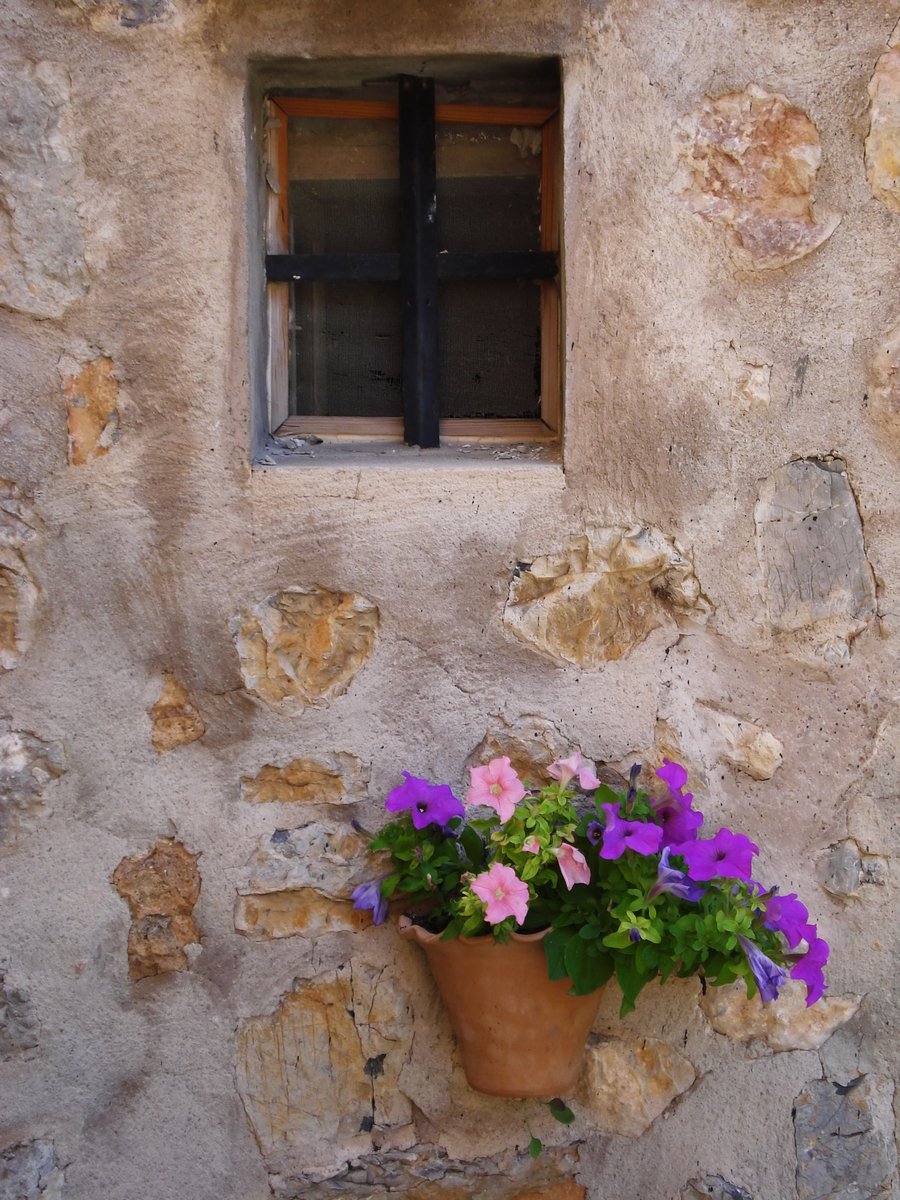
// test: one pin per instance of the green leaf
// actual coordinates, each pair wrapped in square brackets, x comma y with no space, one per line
[473,846]
[561,1111]
[555,948]
[630,981]
[535,1146]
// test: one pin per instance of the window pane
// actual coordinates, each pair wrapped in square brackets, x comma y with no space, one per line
[347,349]
[490,349]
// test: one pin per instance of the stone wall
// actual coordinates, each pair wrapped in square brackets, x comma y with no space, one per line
[208,671]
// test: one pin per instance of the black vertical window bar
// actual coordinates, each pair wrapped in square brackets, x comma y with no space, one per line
[418,261]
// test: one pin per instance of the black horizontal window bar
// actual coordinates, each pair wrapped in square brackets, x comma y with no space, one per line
[371,268]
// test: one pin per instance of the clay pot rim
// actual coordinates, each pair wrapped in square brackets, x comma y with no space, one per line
[408,928]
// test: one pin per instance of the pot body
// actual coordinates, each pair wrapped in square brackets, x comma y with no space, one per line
[519,1033]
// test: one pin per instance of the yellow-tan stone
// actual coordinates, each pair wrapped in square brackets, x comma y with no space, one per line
[627,1083]
[603,595]
[883,141]
[304,644]
[161,889]
[92,408]
[749,163]
[742,743]
[331,779]
[176,719]
[783,1024]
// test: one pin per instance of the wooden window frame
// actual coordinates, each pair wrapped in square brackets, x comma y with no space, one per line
[283,268]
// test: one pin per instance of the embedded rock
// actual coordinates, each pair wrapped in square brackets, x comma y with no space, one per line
[883,141]
[603,595]
[18,1026]
[176,719]
[783,1024]
[92,407]
[304,644]
[18,593]
[749,164]
[332,779]
[129,13]
[749,380]
[819,586]
[161,889]
[29,1171]
[531,743]
[743,744]
[884,392]
[299,882]
[27,765]
[322,1071]
[628,1082]
[844,1135]
[42,259]
[844,868]
[714,1187]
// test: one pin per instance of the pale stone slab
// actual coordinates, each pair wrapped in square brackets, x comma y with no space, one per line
[161,889]
[318,1074]
[30,1171]
[714,1187]
[42,254]
[91,391]
[742,743]
[783,1024]
[18,1025]
[18,591]
[845,1138]
[304,644]
[883,141]
[27,765]
[749,164]
[819,586]
[332,779]
[603,595]
[627,1083]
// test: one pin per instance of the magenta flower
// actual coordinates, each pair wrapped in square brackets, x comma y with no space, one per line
[789,916]
[619,835]
[810,968]
[503,892]
[428,803]
[574,766]
[726,856]
[496,785]
[677,819]
[673,881]
[368,895]
[673,775]
[573,865]
[768,975]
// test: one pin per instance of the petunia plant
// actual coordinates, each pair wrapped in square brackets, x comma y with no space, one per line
[624,882]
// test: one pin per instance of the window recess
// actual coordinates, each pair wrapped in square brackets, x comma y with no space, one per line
[412,264]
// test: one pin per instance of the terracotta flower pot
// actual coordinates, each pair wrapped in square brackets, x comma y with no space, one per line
[519,1033]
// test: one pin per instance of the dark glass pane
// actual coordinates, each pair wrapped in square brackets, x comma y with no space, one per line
[347,349]
[490,349]
[345,216]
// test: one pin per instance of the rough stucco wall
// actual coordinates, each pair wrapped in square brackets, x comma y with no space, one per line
[131,725]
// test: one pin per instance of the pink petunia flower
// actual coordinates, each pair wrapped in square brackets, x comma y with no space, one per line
[531,845]
[573,865]
[503,892]
[496,785]
[565,769]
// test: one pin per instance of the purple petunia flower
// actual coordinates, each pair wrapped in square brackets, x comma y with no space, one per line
[594,833]
[619,835]
[675,882]
[677,819]
[368,895]
[810,968]
[768,975]
[788,916]
[726,856]
[428,803]
[673,775]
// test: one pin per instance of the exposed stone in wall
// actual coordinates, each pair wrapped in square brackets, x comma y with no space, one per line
[742,743]
[845,1139]
[130,13]
[18,1025]
[332,779]
[299,882]
[18,593]
[750,160]
[531,744]
[42,265]
[161,889]
[819,587]
[871,800]
[714,1187]
[883,141]
[749,380]
[92,407]
[29,1171]
[319,1074]
[628,1082]
[27,765]
[603,595]
[305,644]
[845,868]
[884,392]
[176,719]
[783,1024]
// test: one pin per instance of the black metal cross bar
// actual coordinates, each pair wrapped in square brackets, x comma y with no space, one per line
[333,268]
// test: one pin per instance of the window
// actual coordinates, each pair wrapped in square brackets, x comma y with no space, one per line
[412,259]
